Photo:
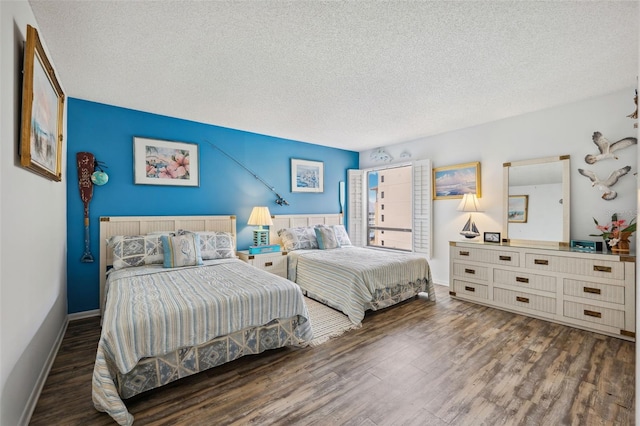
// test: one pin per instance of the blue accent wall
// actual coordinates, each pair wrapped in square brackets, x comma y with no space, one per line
[225,187]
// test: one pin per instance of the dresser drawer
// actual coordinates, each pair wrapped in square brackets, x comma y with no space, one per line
[470,289]
[575,266]
[495,257]
[525,280]
[594,291]
[594,314]
[525,300]
[463,270]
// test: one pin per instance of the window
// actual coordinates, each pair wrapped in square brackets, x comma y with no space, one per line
[393,228]
[407,207]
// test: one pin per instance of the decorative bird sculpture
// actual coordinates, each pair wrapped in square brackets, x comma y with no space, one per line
[605,185]
[606,148]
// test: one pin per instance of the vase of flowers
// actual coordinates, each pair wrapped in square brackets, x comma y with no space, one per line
[616,233]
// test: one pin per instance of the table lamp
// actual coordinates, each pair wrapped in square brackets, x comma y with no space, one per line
[469,204]
[260,216]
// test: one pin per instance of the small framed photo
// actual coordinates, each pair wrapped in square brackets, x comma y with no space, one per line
[158,162]
[518,208]
[307,176]
[455,181]
[491,237]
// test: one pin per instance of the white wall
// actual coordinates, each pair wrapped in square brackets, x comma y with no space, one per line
[557,131]
[33,297]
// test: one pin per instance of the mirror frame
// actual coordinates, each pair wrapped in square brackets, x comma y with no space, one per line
[566,201]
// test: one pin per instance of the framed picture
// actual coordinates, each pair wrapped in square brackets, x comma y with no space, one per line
[158,162]
[491,237]
[307,176]
[42,112]
[455,181]
[518,206]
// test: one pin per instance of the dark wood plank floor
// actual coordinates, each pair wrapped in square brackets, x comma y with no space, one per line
[419,363]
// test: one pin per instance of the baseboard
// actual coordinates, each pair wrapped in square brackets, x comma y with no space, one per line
[83,314]
[42,378]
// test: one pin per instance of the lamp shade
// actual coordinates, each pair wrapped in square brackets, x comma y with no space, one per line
[260,216]
[469,203]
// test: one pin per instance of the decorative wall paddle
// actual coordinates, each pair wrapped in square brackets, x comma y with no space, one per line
[86,166]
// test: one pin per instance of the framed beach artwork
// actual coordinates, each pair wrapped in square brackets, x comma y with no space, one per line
[455,181]
[160,162]
[42,112]
[518,208]
[307,176]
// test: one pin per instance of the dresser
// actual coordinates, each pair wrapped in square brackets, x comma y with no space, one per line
[276,262]
[591,291]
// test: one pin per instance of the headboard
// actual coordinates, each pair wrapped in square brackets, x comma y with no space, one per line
[141,225]
[295,220]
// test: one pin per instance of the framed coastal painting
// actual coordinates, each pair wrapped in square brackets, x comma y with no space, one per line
[160,162]
[455,181]
[518,208]
[42,112]
[307,176]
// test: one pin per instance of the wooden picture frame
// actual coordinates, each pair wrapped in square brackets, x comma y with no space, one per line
[492,237]
[307,176]
[454,181]
[160,162]
[518,208]
[42,112]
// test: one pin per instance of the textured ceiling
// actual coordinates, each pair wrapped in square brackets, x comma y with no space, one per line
[352,75]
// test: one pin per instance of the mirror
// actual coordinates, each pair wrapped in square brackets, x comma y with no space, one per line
[537,201]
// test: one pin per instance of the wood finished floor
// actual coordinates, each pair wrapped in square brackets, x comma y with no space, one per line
[419,363]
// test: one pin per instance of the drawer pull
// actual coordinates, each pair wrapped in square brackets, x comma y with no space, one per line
[592,313]
[522,280]
[540,261]
[592,290]
[469,271]
[471,289]
[464,253]
[268,263]
[507,258]
[522,299]
[599,268]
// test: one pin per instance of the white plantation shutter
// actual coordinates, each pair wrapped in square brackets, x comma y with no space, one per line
[422,199]
[356,208]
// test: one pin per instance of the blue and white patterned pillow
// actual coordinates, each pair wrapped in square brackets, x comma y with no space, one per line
[135,250]
[217,245]
[341,235]
[326,237]
[181,250]
[299,238]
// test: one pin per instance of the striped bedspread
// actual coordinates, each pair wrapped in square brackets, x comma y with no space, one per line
[152,311]
[355,279]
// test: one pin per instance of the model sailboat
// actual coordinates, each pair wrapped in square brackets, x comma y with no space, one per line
[470,230]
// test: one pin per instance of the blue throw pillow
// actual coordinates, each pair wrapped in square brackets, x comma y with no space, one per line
[326,237]
[181,250]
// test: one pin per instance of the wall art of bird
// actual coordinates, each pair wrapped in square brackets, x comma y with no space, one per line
[605,185]
[606,148]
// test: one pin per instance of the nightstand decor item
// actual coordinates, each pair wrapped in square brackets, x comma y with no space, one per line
[469,204]
[491,237]
[586,246]
[260,216]
[270,248]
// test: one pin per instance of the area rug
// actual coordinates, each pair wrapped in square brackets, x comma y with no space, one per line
[326,322]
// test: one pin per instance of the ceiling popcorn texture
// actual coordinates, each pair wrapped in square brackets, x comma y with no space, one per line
[352,75]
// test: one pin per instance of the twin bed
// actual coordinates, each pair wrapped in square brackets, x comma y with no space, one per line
[164,318]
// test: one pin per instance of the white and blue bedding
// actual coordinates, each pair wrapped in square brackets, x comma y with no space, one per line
[354,279]
[153,311]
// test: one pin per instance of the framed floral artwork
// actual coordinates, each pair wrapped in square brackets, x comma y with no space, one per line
[455,181]
[42,112]
[307,176]
[160,162]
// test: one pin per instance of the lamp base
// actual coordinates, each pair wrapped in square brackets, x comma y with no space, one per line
[260,237]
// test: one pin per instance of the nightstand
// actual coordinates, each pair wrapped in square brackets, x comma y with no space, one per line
[276,263]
